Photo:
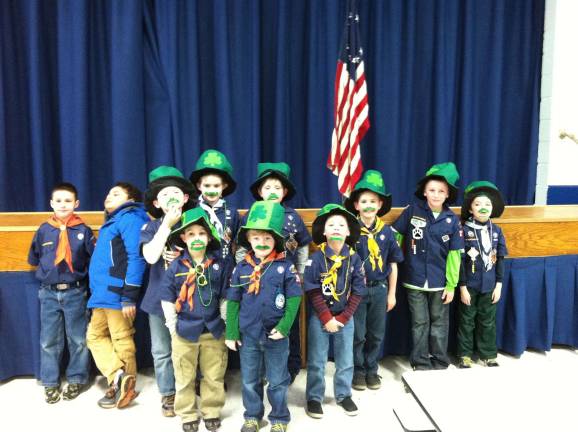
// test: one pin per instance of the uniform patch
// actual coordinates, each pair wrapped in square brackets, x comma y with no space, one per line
[449,220]
[445,238]
[80,236]
[280,269]
[292,269]
[290,217]
[382,237]
[495,235]
[216,267]
[470,234]
[280,301]
[308,263]
[228,212]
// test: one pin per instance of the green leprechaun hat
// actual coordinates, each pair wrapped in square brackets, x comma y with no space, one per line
[330,210]
[214,162]
[264,216]
[478,188]
[200,217]
[278,170]
[160,178]
[446,172]
[371,181]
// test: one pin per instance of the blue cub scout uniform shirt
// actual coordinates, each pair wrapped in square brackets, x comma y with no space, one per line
[206,299]
[350,278]
[426,243]
[390,253]
[229,217]
[259,314]
[43,252]
[479,279]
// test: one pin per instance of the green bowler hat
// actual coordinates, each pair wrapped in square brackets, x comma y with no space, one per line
[196,216]
[160,178]
[482,187]
[278,170]
[264,216]
[214,162]
[330,210]
[371,181]
[446,172]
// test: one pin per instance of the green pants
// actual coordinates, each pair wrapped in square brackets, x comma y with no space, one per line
[478,319]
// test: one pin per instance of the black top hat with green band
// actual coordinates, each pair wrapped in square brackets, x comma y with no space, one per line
[160,178]
[196,216]
[371,181]
[486,188]
[264,216]
[446,172]
[278,170]
[331,210]
[214,162]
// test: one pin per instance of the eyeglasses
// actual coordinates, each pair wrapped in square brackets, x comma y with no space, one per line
[200,272]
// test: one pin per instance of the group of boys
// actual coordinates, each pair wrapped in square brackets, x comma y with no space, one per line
[216,281]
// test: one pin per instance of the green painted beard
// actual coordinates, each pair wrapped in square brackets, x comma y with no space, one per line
[272,197]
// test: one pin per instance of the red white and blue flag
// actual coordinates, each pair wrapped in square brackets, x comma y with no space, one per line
[351,107]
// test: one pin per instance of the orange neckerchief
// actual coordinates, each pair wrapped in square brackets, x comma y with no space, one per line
[63,252]
[189,285]
[256,275]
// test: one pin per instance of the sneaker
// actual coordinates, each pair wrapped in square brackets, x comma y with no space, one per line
[192,426]
[51,394]
[314,409]
[373,382]
[491,362]
[109,399]
[213,424]
[279,427]
[348,406]
[168,405]
[71,391]
[121,395]
[358,382]
[465,362]
[251,425]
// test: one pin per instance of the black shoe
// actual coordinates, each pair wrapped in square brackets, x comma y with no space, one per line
[348,406]
[314,409]
[192,426]
[358,382]
[373,381]
[212,424]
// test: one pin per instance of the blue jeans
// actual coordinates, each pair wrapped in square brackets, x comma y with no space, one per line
[63,314]
[161,352]
[317,351]
[273,354]
[430,320]
[369,333]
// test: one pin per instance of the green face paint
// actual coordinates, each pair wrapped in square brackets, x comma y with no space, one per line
[368,209]
[211,194]
[272,197]
[172,201]
[483,211]
[262,247]
[336,238]
[197,245]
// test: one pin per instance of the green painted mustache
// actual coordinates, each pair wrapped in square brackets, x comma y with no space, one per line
[172,201]
[272,197]
[369,209]
[197,245]
[262,247]
[483,211]
[211,194]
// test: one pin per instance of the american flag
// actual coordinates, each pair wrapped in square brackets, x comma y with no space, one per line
[350,106]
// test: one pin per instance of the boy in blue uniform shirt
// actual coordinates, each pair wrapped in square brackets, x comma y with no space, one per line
[61,250]
[165,199]
[380,254]
[335,286]
[191,293]
[262,302]
[273,184]
[213,181]
[481,273]
[432,241]
[116,274]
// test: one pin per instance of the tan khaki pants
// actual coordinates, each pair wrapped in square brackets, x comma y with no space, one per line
[109,339]
[210,355]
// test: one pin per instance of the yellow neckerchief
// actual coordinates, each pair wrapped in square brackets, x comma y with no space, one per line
[189,285]
[330,276]
[372,246]
[256,275]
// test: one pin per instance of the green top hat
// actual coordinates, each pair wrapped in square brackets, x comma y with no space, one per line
[446,172]
[279,170]
[200,217]
[481,187]
[371,181]
[330,210]
[160,178]
[214,162]
[264,216]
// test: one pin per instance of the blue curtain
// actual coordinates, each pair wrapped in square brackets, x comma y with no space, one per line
[98,91]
